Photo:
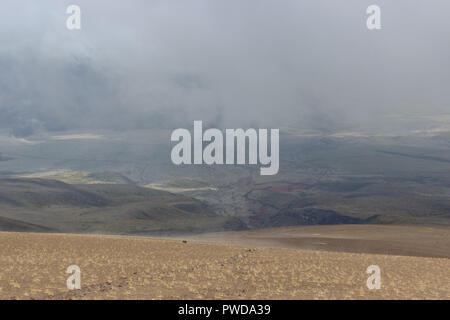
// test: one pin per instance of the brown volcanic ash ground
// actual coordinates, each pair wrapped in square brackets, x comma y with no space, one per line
[33,266]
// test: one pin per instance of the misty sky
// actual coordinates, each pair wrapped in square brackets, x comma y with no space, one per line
[231,63]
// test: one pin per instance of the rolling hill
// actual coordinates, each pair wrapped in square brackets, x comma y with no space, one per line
[53,206]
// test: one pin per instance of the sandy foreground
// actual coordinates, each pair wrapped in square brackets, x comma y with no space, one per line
[33,266]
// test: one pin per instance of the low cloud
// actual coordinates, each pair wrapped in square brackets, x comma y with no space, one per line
[163,64]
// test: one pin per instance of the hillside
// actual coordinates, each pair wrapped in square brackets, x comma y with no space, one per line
[33,266]
[323,179]
[53,206]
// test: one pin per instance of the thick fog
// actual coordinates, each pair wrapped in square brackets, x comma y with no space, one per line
[231,63]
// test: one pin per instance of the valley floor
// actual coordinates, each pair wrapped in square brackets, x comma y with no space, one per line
[422,241]
[33,266]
